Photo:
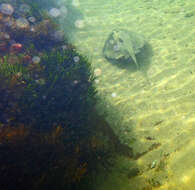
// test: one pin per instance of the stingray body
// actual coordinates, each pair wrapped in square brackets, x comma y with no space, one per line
[123,44]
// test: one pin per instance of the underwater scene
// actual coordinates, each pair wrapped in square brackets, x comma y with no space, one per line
[97,95]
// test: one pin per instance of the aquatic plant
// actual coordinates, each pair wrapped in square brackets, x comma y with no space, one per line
[66,94]
[9,70]
[57,95]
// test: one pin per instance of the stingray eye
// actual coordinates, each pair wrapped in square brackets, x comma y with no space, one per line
[120,40]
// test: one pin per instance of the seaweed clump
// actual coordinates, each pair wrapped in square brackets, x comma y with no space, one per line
[62,93]
[47,104]
[47,108]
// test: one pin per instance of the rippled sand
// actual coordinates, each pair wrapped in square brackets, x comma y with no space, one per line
[153,109]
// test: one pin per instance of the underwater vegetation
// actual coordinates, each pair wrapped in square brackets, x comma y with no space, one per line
[47,102]
[59,89]
[9,70]
[46,106]
[63,92]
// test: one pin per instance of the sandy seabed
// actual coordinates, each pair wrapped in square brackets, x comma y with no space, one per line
[154,106]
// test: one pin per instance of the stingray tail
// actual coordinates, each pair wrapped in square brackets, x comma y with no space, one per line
[135,61]
[132,55]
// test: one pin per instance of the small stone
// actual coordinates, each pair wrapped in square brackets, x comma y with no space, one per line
[76,59]
[6,9]
[75,3]
[22,23]
[6,36]
[97,81]
[19,74]
[36,59]
[32,19]
[44,97]
[16,47]
[113,95]
[64,47]
[79,23]
[97,72]
[75,82]
[32,29]
[153,164]
[54,12]
[41,81]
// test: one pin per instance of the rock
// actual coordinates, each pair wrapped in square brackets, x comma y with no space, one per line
[22,23]
[54,12]
[16,47]
[153,164]
[6,9]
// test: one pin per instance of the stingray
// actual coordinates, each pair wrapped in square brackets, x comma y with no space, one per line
[123,45]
